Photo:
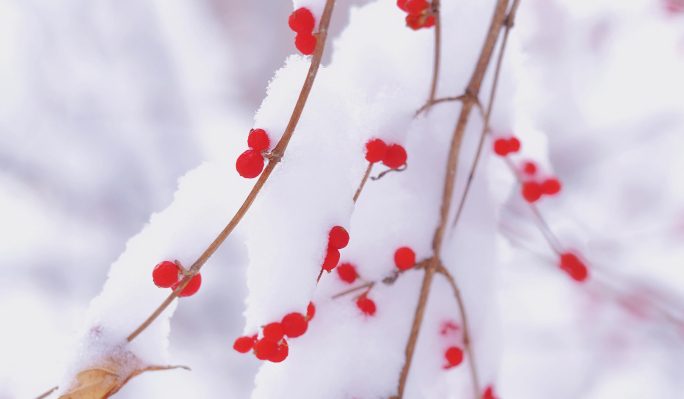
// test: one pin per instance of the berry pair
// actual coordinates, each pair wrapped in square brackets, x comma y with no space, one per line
[572,265]
[393,156]
[303,22]
[338,238]
[419,13]
[404,258]
[454,357]
[250,164]
[169,275]
[532,190]
[273,345]
[504,146]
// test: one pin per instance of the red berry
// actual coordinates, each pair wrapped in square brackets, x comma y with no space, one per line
[366,305]
[416,6]
[572,265]
[258,140]
[489,393]
[530,168]
[281,353]
[401,4]
[302,21]
[265,348]
[306,43]
[165,274]
[429,22]
[414,21]
[531,191]
[454,356]
[274,331]
[192,287]
[250,164]
[338,237]
[347,272]
[332,257]
[551,186]
[404,258]
[244,344]
[513,144]
[375,149]
[310,311]
[501,147]
[295,324]
[395,156]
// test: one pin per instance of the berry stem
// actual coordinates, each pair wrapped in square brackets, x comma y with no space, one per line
[508,23]
[438,36]
[276,155]
[399,169]
[472,92]
[349,291]
[437,101]
[363,182]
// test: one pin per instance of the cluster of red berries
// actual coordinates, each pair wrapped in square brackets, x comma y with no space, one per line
[419,13]
[250,164]
[533,189]
[273,345]
[169,275]
[338,238]
[303,22]
[393,156]
[504,146]
[572,265]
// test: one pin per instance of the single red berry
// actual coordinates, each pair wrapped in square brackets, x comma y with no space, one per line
[404,258]
[513,144]
[551,186]
[414,21]
[295,324]
[375,149]
[306,43]
[338,237]
[416,6]
[258,140]
[395,156]
[265,348]
[531,191]
[366,305]
[332,257]
[347,272]
[401,4]
[250,164]
[302,21]
[454,356]
[244,344]
[489,393]
[310,311]
[274,331]
[572,265]
[165,274]
[281,353]
[530,168]
[501,147]
[192,287]
[429,21]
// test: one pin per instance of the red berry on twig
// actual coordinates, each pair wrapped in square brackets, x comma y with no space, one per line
[530,168]
[551,186]
[501,147]
[192,287]
[244,344]
[265,348]
[302,21]
[454,356]
[165,274]
[416,6]
[395,156]
[310,311]
[338,237]
[404,258]
[274,331]
[366,305]
[332,257]
[375,149]
[531,191]
[250,164]
[305,43]
[347,272]
[295,324]
[258,140]
[572,265]
[513,145]
[280,354]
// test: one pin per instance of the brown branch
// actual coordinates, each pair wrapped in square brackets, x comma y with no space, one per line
[438,37]
[472,90]
[466,330]
[437,101]
[349,291]
[508,23]
[276,155]
[46,394]
[363,182]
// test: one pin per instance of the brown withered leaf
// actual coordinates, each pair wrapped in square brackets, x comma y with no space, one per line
[105,379]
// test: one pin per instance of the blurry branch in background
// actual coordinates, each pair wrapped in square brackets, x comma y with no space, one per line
[276,155]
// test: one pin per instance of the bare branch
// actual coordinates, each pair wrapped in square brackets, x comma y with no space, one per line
[363,182]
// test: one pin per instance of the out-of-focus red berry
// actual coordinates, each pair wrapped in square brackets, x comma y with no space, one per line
[347,272]
[416,6]
[513,144]
[572,265]
[366,305]
[551,186]
[501,147]
[531,191]
[530,168]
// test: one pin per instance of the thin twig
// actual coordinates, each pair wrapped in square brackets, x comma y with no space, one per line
[508,23]
[399,169]
[437,101]
[276,155]
[363,182]
[466,329]
[438,37]
[473,91]
[46,394]
[319,276]
[349,291]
